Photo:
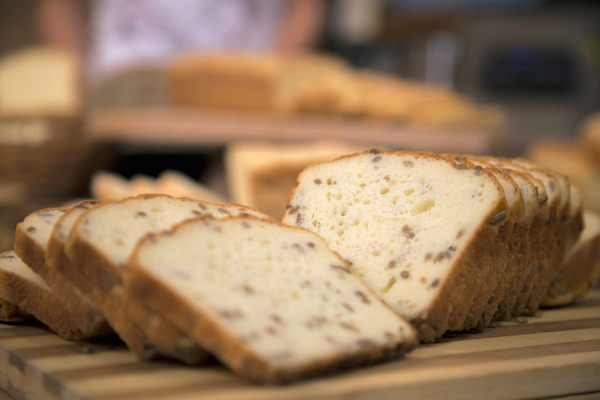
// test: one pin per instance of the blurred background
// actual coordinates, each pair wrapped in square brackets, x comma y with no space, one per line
[228,100]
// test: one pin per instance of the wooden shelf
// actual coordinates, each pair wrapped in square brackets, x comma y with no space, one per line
[555,355]
[178,126]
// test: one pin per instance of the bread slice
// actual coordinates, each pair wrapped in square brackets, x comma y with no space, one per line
[146,335]
[20,286]
[581,268]
[100,244]
[494,286]
[541,230]
[555,232]
[273,302]
[417,228]
[31,241]
[522,252]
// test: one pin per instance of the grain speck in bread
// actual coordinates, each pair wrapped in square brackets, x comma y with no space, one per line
[20,286]
[272,301]
[417,228]
[100,244]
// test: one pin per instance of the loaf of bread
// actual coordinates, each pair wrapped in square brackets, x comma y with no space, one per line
[574,160]
[416,227]
[40,82]
[319,84]
[98,247]
[271,301]
[31,241]
[21,287]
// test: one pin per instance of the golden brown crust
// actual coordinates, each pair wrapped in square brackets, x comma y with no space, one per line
[141,286]
[39,302]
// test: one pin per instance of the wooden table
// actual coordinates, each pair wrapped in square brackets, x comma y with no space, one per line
[556,355]
[180,126]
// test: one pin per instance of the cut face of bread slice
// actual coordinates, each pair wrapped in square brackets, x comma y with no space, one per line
[20,286]
[31,241]
[417,228]
[273,302]
[100,244]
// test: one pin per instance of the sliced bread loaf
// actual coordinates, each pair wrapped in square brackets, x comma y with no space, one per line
[417,228]
[22,287]
[31,241]
[100,244]
[273,302]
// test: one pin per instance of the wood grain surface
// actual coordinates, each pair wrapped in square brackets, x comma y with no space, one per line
[181,126]
[554,355]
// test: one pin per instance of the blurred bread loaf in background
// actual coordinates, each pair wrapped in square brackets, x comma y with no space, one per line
[579,159]
[261,175]
[40,82]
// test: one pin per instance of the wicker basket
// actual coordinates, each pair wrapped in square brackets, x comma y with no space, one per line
[48,161]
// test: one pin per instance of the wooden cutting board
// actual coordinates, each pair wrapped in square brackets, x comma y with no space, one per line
[556,355]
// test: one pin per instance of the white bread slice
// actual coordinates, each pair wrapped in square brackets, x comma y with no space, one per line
[494,286]
[541,229]
[100,244]
[523,257]
[31,241]
[153,335]
[554,244]
[20,286]
[417,228]
[581,268]
[272,301]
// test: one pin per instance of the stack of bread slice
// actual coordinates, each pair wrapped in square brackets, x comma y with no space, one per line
[449,242]
[271,301]
[376,249]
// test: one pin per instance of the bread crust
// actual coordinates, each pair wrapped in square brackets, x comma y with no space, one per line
[37,301]
[143,287]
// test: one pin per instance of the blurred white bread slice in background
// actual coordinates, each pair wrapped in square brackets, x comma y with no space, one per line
[109,186]
[261,175]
